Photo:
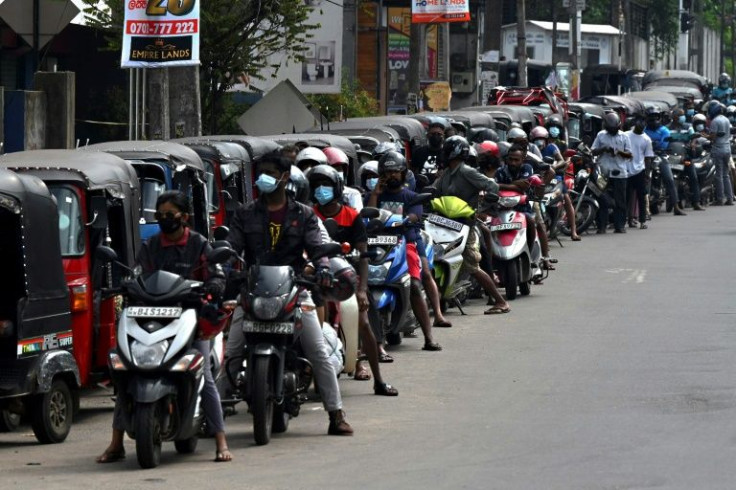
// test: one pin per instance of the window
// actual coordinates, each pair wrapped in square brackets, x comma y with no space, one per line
[150,190]
[212,195]
[71,224]
[573,128]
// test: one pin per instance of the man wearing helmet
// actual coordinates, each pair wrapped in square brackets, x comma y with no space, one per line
[660,136]
[310,157]
[613,148]
[556,131]
[723,92]
[391,194]
[426,159]
[720,134]
[276,230]
[466,183]
[384,147]
[682,131]
[327,189]
[340,162]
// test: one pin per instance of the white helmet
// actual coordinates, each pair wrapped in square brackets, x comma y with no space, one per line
[310,156]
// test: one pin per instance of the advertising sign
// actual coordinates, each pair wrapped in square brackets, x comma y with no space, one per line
[435,96]
[160,33]
[432,11]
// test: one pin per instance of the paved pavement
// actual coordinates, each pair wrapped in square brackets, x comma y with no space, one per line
[618,373]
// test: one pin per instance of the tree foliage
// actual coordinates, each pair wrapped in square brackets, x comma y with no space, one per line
[237,37]
[352,101]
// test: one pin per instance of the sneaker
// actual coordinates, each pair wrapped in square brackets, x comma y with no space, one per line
[728,203]
[633,223]
[643,226]
[338,425]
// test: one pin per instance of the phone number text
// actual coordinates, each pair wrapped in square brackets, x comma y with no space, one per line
[162,28]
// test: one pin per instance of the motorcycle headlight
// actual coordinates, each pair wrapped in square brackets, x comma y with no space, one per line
[377,273]
[148,356]
[268,308]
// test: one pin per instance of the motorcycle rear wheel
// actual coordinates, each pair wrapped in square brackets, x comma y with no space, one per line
[148,434]
[584,217]
[262,404]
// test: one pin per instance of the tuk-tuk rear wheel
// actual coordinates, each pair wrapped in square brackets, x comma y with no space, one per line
[51,414]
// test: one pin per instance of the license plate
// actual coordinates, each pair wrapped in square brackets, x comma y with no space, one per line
[506,226]
[677,166]
[445,222]
[383,240]
[284,328]
[153,312]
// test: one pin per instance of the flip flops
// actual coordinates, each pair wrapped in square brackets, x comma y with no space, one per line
[223,456]
[383,357]
[361,372]
[385,389]
[442,324]
[111,456]
[497,310]
[432,346]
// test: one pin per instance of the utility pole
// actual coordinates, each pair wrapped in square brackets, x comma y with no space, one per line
[553,5]
[415,64]
[521,42]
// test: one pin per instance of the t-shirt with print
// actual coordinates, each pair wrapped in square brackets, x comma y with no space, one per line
[396,202]
[351,228]
[276,225]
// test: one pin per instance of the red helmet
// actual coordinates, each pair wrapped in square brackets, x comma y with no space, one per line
[535,181]
[213,322]
[336,156]
[488,147]
[569,154]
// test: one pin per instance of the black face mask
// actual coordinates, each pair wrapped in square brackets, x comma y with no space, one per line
[393,184]
[435,140]
[169,225]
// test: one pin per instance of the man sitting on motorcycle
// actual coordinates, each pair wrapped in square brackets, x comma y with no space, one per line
[660,136]
[682,131]
[515,176]
[426,159]
[391,194]
[180,250]
[276,230]
[327,190]
[462,181]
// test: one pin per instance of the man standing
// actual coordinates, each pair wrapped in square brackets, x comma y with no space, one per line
[426,159]
[614,148]
[720,135]
[641,149]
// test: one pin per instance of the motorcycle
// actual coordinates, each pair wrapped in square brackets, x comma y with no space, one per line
[158,373]
[517,264]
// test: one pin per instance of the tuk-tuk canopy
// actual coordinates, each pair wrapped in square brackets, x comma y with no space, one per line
[410,130]
[174,154]
[662,98]
[46,308]
[318,140]
[629,105]
[378,133]
[682,92]
[255,145]
[674,78]
[96,170]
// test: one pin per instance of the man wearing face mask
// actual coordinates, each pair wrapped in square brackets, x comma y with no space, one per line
[641,149]
[556,131]
[720,134]
[427,159]
[276,230]
[660,136]
[682,131]
[613,148]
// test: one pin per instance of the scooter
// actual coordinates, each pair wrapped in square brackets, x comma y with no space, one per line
[449,231]
[158,373]
[517,264]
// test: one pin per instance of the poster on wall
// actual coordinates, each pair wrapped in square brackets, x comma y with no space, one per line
[321,70]
[161,33]
[435,96]
[433,11]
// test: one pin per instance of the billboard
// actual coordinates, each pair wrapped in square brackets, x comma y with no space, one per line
[160,33]
[433,11]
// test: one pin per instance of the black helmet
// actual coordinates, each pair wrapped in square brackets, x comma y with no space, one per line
[724,80]
[384,147]
[455,147]
[485,134]
[611,122]
[345,281]
[715,108]
[653,111]
[554,120]
[325,173]
[392,161]
[298,186]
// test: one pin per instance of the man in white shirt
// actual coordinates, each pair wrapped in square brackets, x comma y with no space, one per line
[642,152]
[613,149]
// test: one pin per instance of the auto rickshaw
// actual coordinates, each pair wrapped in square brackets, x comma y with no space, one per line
[39,376]
[673,78]
[625,107]
[588,123]
[367,138]
[98,199]
[665,100]
[163,166]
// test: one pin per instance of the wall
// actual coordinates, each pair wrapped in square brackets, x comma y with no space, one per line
[60,104]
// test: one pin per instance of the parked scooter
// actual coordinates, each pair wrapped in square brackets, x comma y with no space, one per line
[158,373]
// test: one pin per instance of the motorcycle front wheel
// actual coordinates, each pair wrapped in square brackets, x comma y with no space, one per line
[584,217]
[511,279]
[262,405]
[148,434]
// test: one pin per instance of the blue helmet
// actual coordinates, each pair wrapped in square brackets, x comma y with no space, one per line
[715,108]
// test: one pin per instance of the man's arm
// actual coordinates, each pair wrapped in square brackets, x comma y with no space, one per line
[313,237]
[481,182]
[236,237]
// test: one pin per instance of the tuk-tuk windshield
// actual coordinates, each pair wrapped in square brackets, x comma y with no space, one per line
[71,224]
[150,190]
[573,127]
[211,180]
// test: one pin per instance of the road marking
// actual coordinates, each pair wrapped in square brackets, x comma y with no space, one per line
[635,275]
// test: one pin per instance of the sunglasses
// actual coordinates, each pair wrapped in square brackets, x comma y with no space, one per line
[167,215]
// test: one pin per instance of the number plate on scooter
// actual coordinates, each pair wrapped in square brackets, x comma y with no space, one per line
[383,240]
[285,328]
[153,312]
[445,222]
[506,226]
[677,166]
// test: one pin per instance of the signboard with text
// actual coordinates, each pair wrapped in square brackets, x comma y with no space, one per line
[432,11]
[160,33]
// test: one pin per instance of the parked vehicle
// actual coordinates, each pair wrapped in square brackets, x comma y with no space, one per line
[158,373]
[625,107]
[673,78]
[606,80]
[98,198]
[411,131]
[40,376]
[163,166]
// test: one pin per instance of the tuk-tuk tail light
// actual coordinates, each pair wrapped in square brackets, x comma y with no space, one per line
[79,298]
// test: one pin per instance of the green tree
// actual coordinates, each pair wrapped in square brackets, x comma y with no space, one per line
[352,101]
[236,37]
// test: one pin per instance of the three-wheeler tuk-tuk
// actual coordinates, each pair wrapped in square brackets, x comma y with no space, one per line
[39,376]
[163,166]
[98,201]
[226,166]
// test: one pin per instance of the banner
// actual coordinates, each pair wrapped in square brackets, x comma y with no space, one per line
[160,33]
[432,11]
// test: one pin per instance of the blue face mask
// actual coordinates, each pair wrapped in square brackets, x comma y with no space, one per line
[539,143]
[699,127]
[371,183]
[554,131]
[324,194]
[691,112]
[266,183]
[682,119]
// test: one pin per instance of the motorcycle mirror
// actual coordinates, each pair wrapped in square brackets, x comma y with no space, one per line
[332,227]
[370,213]
[422,180]
[326,250]
[220,244]
[423,198]
[221,233]
[375,225]
[105,254]
[220,255]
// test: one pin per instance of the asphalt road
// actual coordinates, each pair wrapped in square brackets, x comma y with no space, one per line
[617,373]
